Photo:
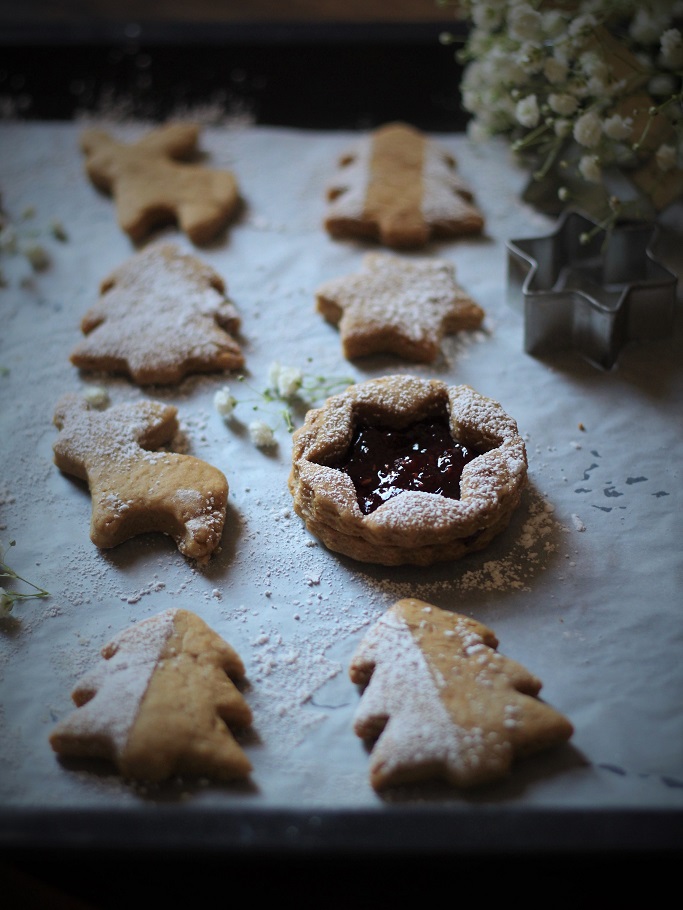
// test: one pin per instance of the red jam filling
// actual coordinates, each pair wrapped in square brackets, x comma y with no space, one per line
[383,462]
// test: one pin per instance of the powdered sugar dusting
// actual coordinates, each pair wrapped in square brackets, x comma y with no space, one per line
[420,730]
[114,689]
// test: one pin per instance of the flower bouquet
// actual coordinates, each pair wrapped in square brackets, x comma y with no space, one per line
[589,92]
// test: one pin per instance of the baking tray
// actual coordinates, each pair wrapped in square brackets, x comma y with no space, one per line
[568,588]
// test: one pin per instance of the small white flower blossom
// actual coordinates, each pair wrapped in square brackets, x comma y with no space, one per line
[555,71]
[588,129]
[96,396]
[582,26]
[224,402]
[666,157]
[562,127]
[589,168]
[646,26]
[286,381]
[671,43]
[525,23]
[618,127]
[563,104]
[289,381]
[5,604]
[261,434]
[527,111]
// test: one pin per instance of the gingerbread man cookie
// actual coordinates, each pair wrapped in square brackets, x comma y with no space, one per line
[441,702]
[398,306]
[136,490]
[153,182]
[402,189]
[162,315]
[159,703]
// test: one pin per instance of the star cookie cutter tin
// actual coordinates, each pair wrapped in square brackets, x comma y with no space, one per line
[583,288]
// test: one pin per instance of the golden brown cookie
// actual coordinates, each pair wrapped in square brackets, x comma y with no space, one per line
[440,702]
[154,182]
[398,306]
[136,490]
[403,470]
[400,188]
[162,315]
[159,703]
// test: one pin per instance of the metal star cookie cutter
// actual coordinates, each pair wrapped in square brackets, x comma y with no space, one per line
[581,287]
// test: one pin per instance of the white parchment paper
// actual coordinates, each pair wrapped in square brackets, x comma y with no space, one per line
[584,588]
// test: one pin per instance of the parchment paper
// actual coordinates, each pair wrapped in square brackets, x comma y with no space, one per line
[583,588]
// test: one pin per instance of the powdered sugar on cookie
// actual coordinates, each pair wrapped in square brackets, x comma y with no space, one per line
[399,306]
[162,315]
[440,701]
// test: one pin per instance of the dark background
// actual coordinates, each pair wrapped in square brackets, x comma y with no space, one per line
[321,65]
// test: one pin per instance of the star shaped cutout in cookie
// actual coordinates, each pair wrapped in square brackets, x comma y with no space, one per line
[398,306]
[584,289]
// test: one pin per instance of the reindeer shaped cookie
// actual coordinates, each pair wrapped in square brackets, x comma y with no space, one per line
[134,489]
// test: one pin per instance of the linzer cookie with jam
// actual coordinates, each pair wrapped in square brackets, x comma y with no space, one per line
[400,188]
[404,470]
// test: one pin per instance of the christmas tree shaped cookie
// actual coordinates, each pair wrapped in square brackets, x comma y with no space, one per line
[400,188]
[162,315]
[154,182]
[441,702]
[159,703]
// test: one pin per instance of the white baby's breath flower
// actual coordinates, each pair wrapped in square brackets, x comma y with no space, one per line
[5,604]
[562,127]
[563,104]
[554,70]
[582,26]
[525,23]
[224,402]
[289,381]
[554,23]
[617,127]
[647,25]
[661,85]
[589,168]
[96,396]
[671,43]
[588,129]
[527,112]
[487,16]
[666,157]
[261,434]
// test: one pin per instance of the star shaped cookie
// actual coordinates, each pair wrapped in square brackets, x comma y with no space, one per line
[398,306]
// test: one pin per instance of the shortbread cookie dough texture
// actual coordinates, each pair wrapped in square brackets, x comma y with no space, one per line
[134,489]
[154,182]
[400,188]
[439,700]
[159,703]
